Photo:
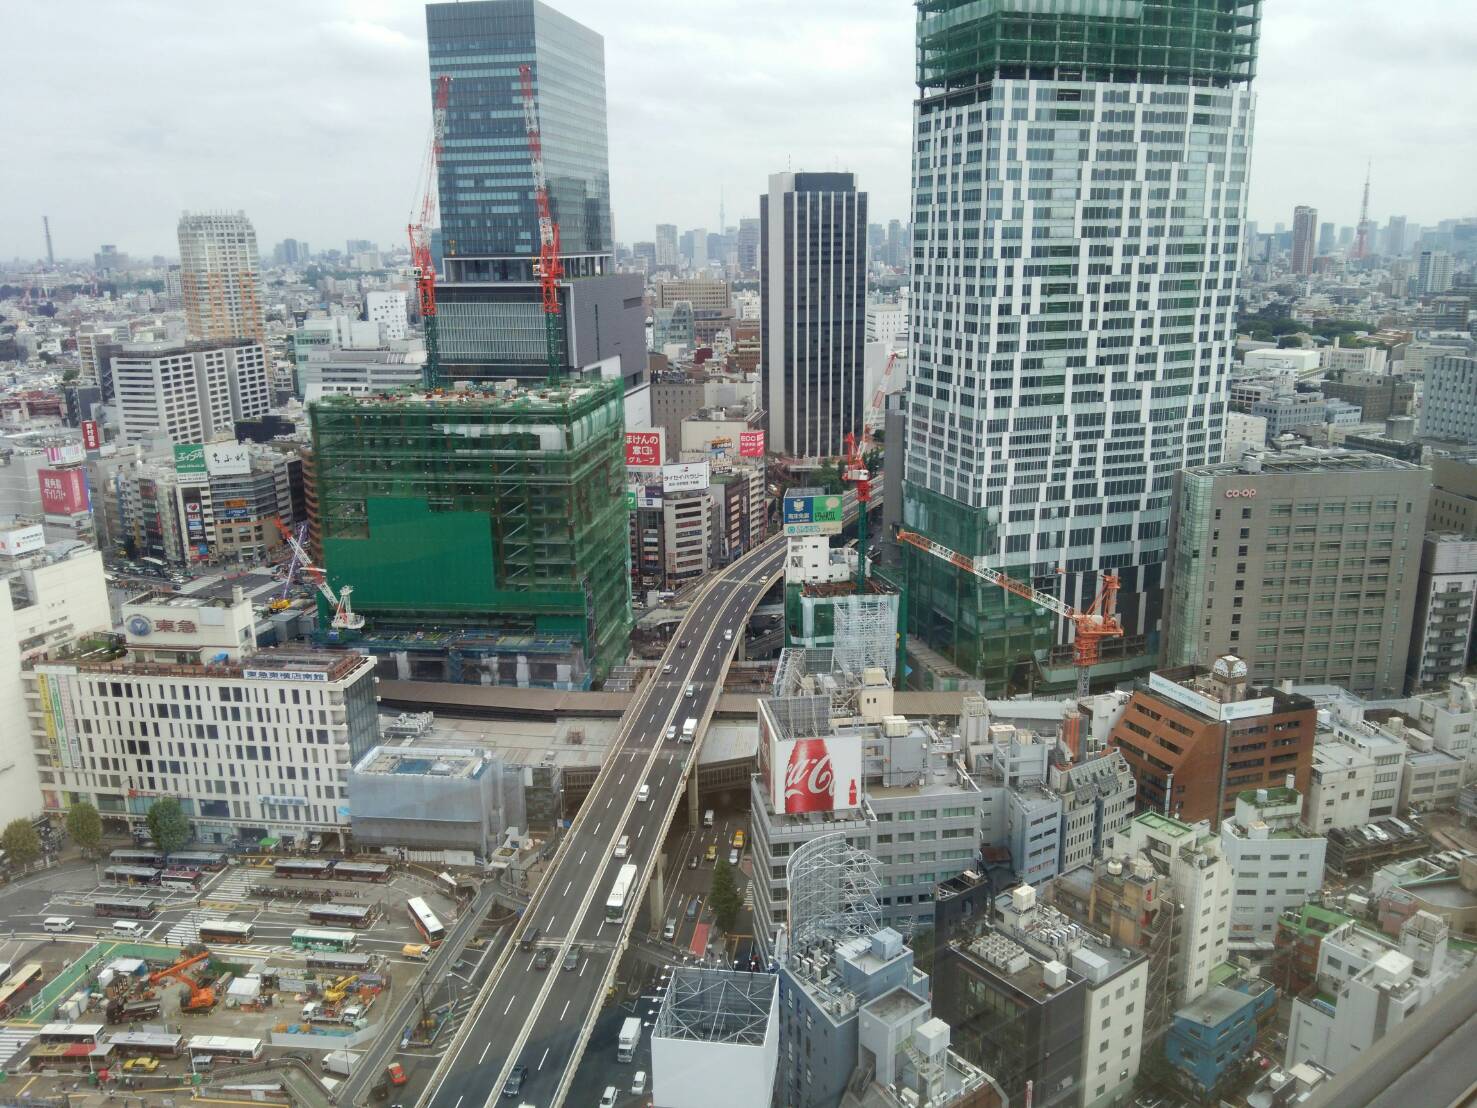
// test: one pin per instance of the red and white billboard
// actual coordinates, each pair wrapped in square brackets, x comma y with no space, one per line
[751,444]
[92,437]
[63,491]
[643,448]
[818,774]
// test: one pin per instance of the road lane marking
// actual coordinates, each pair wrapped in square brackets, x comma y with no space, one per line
[515,995]
[582,857]
[622,781]
[458,1103]
[565,1012]
[541,1060]
[485,1049]
[569,886]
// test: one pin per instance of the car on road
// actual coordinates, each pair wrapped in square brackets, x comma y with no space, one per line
[728,635]
[530,937]
[643,794]
[638,1083]
[733,857]
[738,838]
[692,862]
[543,959]
[669,932]
[711,854]
[58,924]
[607,1098]
[684,643]
[671,732]
[669,668]
[514,1084]
[144,1063]
[572,959]
[691,689]
[692,907]
[395,1073]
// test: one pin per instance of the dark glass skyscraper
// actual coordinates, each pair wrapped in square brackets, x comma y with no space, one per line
[813,284]
[490,316]
[488,219]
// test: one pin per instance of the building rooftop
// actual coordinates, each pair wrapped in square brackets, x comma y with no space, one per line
[1214,1007]
[264,665]
[1009,962]
[1300,461]
[717,1006]
[510,396]
[1164,825]
[424,761]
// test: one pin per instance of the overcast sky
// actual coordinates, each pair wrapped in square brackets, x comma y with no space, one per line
[311,115]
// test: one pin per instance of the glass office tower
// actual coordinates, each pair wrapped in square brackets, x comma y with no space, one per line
[1079,185]
[489,222]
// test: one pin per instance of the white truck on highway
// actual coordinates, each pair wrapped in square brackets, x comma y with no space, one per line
[625,1050]
[689,730]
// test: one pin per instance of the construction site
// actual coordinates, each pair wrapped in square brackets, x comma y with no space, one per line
[496,519]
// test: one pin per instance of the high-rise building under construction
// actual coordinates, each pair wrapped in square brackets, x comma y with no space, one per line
[1079,185]
[493,522]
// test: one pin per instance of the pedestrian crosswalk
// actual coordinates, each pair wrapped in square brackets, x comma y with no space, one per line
[234,887]
[11,1042]
[187,930]
[749,897]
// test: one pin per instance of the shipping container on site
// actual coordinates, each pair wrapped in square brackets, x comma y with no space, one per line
[497,509]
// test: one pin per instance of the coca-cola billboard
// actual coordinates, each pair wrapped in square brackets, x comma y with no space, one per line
[816,774]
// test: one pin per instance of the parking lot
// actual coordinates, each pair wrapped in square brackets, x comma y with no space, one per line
[100,968]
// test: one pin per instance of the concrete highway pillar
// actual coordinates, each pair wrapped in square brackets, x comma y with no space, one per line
[657,893]
[692,812]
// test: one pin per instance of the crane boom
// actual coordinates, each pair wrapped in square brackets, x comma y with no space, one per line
[549,268]
[344,616]
[423,216]
[1099,621]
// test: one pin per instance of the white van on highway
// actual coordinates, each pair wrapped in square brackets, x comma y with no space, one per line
[623,846]
[643,794]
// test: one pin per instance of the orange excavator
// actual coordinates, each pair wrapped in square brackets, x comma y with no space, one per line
[195,997]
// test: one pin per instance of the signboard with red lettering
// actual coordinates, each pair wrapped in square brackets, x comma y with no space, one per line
[63,491]
[92,438]
[643,448]
[751,444]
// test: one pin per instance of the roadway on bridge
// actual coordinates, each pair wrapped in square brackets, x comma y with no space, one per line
[539,1018]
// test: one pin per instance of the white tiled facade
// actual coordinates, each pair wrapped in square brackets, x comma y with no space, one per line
[1274,866]
[1073,301]
[190,393]
[260,747]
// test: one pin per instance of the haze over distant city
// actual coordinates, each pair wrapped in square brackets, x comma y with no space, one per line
[312,116]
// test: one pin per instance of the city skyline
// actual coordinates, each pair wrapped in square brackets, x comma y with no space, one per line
[343,103]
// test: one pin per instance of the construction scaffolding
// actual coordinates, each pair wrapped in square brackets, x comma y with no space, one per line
[717,1006]
[833,894]
[859,624]
[502,510]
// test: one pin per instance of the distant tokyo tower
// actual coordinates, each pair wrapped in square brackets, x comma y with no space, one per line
[1365,231]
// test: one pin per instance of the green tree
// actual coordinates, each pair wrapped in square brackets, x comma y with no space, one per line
[168,825]
[20,842]
[723,896]
[85,826]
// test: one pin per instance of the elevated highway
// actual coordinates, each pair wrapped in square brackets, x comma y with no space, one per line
[542,1019]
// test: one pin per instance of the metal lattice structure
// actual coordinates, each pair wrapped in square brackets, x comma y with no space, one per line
[717,1006]
[833,893]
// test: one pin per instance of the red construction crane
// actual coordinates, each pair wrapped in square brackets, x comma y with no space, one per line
[344,616]
[422,218]
[854,463]
[1098,622]
[548,266]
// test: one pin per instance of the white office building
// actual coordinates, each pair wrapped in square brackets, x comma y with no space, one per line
[1076,259]
[390,311]
[1449,399]
[51,595]
[1276,866]
[1341,787]
[1191,856]
[1368,984]
[192,392]
[253,744]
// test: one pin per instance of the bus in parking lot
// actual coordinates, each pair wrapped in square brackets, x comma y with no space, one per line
[342,915]
[431,928]
[131,875]
[307,938]
[208,860]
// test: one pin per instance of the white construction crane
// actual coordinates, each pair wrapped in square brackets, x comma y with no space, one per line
[344,616]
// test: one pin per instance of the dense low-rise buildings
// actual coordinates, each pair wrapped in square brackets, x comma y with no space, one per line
[1276,865]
